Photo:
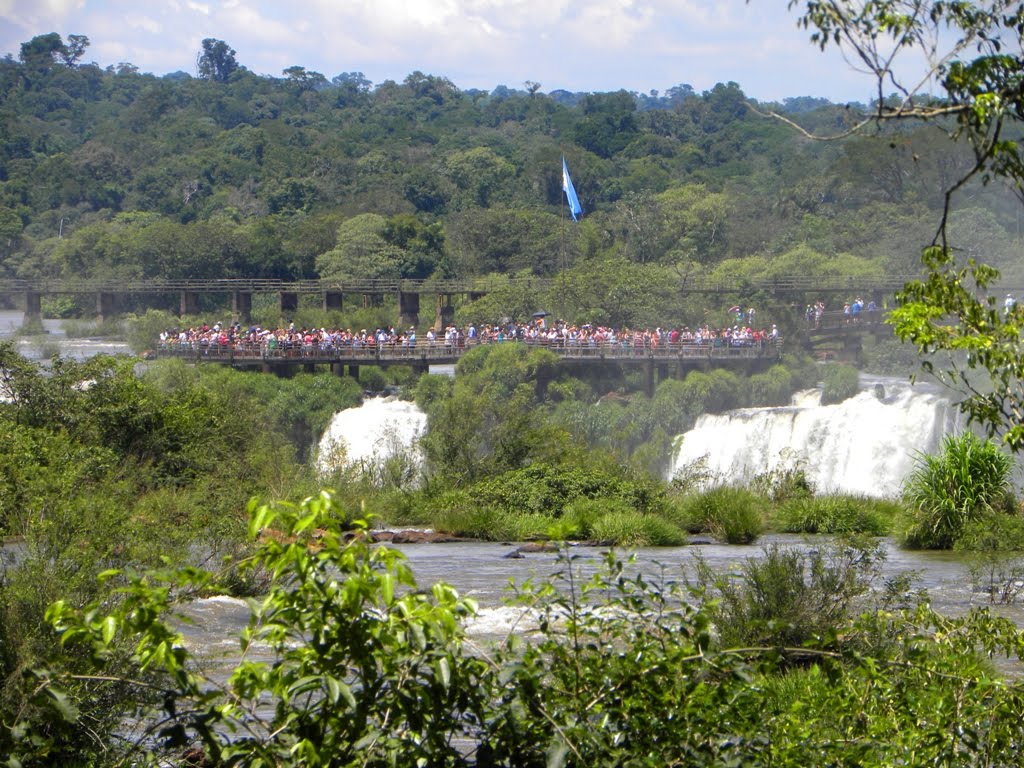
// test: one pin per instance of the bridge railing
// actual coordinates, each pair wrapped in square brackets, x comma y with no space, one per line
[441,351]
[697,283]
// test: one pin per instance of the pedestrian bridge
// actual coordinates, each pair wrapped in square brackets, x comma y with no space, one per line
[657,362]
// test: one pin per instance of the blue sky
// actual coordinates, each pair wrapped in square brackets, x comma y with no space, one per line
[595,45]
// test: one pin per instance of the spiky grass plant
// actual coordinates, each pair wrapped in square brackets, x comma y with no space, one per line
[947,490]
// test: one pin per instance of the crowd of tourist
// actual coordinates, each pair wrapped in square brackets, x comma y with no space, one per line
[558,335]
[853,311]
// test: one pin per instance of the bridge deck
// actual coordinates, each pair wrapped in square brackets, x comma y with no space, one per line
[440,353]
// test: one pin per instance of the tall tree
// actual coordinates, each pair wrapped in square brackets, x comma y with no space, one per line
[955,308]
[217,60]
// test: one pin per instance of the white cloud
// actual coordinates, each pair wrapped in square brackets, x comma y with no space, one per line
[593,46]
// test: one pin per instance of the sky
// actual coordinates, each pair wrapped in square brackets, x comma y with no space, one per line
[575,45]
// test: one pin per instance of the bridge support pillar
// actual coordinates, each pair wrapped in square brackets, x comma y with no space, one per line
[309,367]
[188,304]
[408,309]
[445,312]
[649,370]
[421,367]
[353,371]
[104,306]
[338,369]
[241,306]
[334,301]
[33,308]
[288,302]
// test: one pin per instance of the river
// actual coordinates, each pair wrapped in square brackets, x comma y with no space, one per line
[41,346]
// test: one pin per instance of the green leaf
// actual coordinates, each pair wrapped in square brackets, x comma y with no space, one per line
[108,629]
[60,701]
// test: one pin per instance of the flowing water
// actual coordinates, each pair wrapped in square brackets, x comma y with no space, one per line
[380,428]
[864,445]
[41,346]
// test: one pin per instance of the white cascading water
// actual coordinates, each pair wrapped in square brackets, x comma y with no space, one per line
[379,428]
[866,445]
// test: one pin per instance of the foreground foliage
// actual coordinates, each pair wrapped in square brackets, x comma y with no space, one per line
[620,668]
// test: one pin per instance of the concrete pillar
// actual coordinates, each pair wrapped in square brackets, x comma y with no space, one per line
[104,306]
[33,308]
[288,301]
[334,301]
[188,304]
[241,306]
[408,309]
[445,312]
[649,377]
[338,369]
[309,367]
[353,371]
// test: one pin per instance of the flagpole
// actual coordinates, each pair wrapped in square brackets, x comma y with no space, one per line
[561,254]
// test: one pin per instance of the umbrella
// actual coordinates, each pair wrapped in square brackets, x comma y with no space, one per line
[540,314]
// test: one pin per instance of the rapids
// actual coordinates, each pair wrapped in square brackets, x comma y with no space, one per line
[865,445]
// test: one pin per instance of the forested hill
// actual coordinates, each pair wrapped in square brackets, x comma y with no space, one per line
[112,172]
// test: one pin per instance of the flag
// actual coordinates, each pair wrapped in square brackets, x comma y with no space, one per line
[570,192]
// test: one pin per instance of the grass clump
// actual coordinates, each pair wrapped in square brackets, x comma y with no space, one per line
[945,492]
[726,512]
[614,522]
[836,514]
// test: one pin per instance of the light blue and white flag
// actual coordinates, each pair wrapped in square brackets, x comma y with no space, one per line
[570,192]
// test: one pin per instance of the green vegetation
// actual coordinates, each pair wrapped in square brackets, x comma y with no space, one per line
[119,175]
[840,382]
[778,668]
[948,491]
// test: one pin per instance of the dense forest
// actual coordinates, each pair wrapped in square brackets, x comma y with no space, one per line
[116,173]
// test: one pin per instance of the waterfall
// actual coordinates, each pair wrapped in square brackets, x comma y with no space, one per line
[366,436]
[866,445]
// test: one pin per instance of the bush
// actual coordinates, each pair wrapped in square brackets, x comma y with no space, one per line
[837,514]
[614,522]
[841,382]
[995,546]
[789,596]
[726,512]
[957,486]
[636,529]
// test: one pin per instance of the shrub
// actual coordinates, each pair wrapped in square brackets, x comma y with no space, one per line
[995,546]
[836,514]
[726,512]
[840,382]
[788,480]
[465,517]
[948,490]
[790,596]
[636,529]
